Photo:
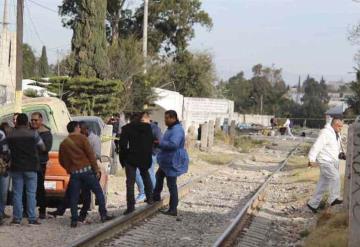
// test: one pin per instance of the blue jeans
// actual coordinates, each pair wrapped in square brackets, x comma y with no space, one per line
[86,180]
[18,181]
[4,185]
[139,181]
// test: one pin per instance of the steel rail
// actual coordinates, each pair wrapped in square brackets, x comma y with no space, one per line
[237,225]
[122,223]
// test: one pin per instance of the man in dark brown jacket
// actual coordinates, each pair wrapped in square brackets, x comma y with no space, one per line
[78,159]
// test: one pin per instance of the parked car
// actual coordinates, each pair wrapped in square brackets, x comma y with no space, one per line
[104,131]
[57,179]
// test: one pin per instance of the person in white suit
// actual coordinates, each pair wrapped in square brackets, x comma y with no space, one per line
[325,154]
[287,125]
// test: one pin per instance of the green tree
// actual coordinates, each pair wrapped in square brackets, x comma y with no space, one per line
[239,89]
[315,98]
[29,62]
[87,20]
[126,62]
[171,24]
[354,100]
[88,96]
[192,74]
[43,65]
[266,87]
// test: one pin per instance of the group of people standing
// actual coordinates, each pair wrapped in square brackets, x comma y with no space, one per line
[26,147]
[141,145]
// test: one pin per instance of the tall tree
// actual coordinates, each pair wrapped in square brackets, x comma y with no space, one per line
[43,65]
[315,98]
[354,100]
[87,20]
[192,74]
[171,24]
[29,62]
[116,14]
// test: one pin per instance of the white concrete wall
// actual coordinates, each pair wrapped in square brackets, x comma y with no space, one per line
[200,110]
[7,64]
[252,119]
[167,100]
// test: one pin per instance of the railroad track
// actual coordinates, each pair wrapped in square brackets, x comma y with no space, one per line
[123,223]
[245,216]
[204,212]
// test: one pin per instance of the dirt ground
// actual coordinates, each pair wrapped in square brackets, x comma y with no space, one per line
[57,232]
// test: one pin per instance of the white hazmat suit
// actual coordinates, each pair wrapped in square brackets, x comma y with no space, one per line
[325,152]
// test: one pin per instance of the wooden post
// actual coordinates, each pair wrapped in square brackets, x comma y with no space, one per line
[211,134]
[349,160]
[232,129]
[354,195]
[204,137]
[217,124]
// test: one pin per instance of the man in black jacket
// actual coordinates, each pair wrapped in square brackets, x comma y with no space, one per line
[24,145]
[136,143]
[44,132]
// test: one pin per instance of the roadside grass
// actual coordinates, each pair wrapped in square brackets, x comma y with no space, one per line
[216,158]
[298,165]
[221,137]
[245,144]
[331,231]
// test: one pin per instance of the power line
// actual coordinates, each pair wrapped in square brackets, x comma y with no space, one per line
[33,24]
[43,6]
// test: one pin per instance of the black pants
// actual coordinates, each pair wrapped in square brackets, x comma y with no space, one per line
[130,182]
[171,183]
[40,192]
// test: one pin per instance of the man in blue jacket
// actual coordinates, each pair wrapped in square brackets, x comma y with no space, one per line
[173,160]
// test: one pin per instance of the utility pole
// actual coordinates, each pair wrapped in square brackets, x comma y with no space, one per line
[58,61]
[6,15]
[145,33]
[19,54]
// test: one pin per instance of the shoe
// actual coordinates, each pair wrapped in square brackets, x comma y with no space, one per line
[54,214]
[42,216]
[336,201]
[150,201]
[314,210]
[170,212]
[1,221]
[73,224]
[34,222]
[156,198]
[106,218]
[82,218]
[6,216]
[15,222]
[129,211]
[140,198]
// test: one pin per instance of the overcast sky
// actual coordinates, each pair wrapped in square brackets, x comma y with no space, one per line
[301,36]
